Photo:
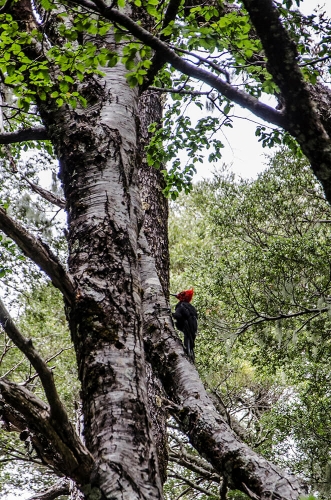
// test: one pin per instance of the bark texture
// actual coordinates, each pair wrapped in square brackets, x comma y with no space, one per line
[154,203]
[155,228]
[97,151]
[302,118]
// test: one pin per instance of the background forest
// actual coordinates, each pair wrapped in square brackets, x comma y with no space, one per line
[257,254]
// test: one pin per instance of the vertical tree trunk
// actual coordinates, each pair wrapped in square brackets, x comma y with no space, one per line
[98,153]
[155,228]
[154,203]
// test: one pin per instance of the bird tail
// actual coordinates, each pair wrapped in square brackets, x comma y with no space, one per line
[189,347]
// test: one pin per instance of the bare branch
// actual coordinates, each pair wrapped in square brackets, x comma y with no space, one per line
[189,461]
[190,483]
[27,134]
[47,360]
[57,414]
[205,60]
[47,195]
[58,489]
[39,253]
[315,61]
[45,432]
[261,318]
[46,375]
[180,90]
[304,122]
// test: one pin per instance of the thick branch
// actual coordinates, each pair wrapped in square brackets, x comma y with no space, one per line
[58,415]
[39,253]
[303,120]
[52,449]
[242,468]
[157,61]
[245,100]
[45,374]
[55,491]
[27,134]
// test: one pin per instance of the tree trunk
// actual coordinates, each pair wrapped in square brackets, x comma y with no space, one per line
[97,150]
[155,228]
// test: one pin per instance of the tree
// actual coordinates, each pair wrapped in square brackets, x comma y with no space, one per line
[115,282]
[261,271]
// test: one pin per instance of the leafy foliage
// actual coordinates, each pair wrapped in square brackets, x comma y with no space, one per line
[217,36]
[260,265]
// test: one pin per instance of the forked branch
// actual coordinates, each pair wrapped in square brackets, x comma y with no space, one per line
[57,453]
[54,422]
[45,374]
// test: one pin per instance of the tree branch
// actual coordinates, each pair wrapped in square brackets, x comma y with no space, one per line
[185,460]
[180,90]
[27,134]
[58,489]
[47,195]
[245,100]
[303,120]
[263,317]
[58,415]
[157,61]
[52,449]
[300,117]
[190,483]
[5,7]
[39,253]
[45,374]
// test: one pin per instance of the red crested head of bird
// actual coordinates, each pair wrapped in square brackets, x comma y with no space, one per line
[185,295]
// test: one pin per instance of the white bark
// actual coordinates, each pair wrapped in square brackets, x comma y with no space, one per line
[104,220]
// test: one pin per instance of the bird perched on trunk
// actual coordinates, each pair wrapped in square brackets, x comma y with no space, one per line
[186,317]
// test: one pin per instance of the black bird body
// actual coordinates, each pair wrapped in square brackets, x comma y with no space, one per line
[186,318]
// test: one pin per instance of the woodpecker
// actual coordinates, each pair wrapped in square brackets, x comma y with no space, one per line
[186,317]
